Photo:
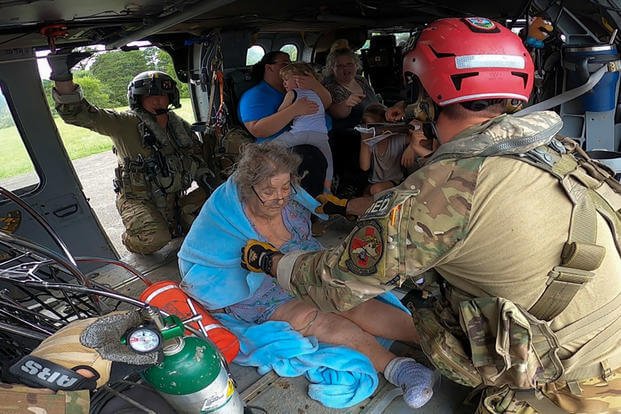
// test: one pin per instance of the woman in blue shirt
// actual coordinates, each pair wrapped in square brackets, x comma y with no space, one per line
[258,110]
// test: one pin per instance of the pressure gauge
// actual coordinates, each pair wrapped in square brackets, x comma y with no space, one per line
[143,339]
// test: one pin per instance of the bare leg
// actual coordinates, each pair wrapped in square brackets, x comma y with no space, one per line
[400,328]
[415,379]
[333,328]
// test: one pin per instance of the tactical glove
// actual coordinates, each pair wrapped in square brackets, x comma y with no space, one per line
[257,256]
[92,344]
[331,204]
[62,61]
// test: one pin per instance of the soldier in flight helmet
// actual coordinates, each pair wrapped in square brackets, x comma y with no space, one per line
[158,154]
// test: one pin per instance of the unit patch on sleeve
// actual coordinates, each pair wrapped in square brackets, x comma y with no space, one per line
[365,249]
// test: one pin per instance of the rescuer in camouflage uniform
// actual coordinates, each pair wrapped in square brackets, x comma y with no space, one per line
[520,226]
[158,154]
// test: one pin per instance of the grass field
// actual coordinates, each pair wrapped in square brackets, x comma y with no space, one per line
[79,142]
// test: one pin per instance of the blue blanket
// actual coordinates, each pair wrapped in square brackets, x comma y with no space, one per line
[339,377]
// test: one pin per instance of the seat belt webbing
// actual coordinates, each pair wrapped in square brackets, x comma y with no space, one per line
[567,96]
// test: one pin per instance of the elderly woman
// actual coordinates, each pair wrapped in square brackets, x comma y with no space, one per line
[351,94]
[262,200]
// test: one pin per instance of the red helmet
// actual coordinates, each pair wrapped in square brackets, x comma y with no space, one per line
[469,59]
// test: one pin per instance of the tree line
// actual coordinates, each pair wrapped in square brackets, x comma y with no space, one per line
[104,78]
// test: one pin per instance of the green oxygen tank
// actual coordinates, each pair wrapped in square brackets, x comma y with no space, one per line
[193,377]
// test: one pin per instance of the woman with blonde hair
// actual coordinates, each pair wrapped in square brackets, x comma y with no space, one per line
[308,129]
[351,94]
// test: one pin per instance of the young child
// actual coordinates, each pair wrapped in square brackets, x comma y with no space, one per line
[383,158]
[306,129]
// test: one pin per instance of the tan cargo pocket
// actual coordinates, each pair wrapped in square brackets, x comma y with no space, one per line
[509,346]
[443,349]
[136,186]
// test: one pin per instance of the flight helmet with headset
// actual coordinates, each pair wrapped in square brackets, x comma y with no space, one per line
[152,83]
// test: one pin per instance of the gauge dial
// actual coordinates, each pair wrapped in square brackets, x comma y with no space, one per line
[144,340]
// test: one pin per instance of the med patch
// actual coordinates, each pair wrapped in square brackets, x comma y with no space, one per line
[365,249]
[380,208]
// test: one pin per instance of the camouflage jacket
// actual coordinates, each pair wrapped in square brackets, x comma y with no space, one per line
[21,399]
[489,224]
[142,173]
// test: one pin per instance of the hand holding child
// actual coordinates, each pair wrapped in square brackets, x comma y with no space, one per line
[304,106]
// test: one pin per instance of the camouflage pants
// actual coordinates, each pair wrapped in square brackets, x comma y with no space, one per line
[596,395]
[148,229]
[21,399]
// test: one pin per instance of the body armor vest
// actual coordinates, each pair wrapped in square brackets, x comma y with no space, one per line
[167,170]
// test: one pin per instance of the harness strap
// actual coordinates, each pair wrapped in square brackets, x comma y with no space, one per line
[612,217]
[567,96]
[593,322]
[602,369]
[605,340]
[581,255]
[563,284]
[579,258]
[538,401]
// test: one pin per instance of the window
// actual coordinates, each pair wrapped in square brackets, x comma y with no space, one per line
[254,54]
[291,50]
[16,168]
[401,39]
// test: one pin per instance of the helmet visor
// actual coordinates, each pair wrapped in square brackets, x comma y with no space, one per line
[153,86]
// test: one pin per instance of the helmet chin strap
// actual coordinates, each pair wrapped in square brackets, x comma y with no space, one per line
[163,111]
[431,131]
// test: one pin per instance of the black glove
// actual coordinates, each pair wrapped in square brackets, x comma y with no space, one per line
[62,61]
[93,345]
[331,204]
[257,256]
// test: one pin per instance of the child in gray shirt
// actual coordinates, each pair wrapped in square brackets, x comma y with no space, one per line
[384,157]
